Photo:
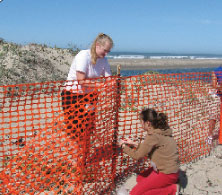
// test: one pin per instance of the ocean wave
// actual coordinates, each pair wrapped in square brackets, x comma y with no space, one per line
[172,57]
[207,58]
[126,56]
[185,57]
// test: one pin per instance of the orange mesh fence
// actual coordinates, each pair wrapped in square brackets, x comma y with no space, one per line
[56,141]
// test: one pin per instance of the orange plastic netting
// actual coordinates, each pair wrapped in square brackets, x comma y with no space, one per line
[54,141]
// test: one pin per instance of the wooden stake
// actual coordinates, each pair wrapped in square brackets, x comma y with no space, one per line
[118,69]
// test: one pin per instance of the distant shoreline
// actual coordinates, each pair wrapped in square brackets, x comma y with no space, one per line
[143,64]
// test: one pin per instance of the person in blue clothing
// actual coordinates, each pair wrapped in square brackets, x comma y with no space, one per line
[217,85]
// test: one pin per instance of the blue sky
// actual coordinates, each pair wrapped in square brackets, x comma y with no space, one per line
[181,26]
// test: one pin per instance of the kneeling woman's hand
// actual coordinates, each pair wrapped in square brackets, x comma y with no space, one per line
[127,141]
[121,143]
[130,142]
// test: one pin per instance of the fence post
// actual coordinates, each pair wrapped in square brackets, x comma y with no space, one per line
[115,134]
[220,130]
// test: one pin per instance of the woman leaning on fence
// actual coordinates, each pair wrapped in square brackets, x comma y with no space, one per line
[161,148]
[80,97]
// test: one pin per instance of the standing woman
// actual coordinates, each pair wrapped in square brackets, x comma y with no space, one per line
[161,149]
[80,97]
[90,64]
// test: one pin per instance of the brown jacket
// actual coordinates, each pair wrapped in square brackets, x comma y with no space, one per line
[160,147]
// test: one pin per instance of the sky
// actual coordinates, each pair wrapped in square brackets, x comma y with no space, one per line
[169,26]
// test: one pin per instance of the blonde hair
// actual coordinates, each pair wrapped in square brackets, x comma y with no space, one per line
[101,39]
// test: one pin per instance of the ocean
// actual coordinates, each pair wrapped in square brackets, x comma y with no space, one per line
[139,55]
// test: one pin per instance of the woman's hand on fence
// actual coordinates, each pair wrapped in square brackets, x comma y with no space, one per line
[111,83]
[130,142]
[127,142]
[121,142]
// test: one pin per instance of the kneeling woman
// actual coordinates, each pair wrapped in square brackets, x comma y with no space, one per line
[161,148]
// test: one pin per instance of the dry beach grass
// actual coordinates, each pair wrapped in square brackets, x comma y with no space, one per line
[39,63]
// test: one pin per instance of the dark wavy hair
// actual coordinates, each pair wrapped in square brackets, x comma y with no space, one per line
[157,120]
